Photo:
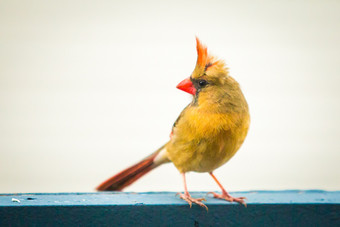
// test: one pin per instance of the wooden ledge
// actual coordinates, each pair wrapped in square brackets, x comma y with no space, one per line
[265,208]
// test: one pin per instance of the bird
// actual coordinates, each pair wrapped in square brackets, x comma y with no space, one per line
[207,133]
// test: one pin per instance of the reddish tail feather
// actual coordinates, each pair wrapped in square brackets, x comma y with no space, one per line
[126,177]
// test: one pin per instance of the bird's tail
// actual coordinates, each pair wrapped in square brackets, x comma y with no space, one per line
[126,177]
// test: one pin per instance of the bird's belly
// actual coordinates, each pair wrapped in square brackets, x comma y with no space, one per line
[202,156]
[208,160]
[205,146]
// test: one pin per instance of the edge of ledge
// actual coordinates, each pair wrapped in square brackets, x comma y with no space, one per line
[164,198]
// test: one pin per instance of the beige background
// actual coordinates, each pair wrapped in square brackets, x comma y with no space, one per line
[88,88]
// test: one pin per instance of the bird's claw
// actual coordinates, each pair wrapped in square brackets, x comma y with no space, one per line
[229,198]
[191,200]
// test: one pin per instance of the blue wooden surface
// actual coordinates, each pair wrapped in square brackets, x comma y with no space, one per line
[265,208]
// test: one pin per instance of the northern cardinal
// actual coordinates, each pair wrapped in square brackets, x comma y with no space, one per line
[207,133]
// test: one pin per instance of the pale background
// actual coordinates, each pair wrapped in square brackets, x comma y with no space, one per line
[88,88]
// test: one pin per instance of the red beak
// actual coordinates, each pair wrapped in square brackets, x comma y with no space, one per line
[187,86]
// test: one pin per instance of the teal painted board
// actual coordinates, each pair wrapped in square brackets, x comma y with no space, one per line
[166,198]
[265,208]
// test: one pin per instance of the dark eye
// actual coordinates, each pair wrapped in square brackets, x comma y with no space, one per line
[202,83]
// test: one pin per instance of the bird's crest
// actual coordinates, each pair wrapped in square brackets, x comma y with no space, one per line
[202,54]
[204,61]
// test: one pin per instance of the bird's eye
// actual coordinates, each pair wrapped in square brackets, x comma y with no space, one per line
[202,83]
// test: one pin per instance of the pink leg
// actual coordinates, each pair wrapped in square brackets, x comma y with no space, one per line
[187,197]
[225,195]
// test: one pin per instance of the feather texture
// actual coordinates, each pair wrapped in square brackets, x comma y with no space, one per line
[208,132]
[126,177]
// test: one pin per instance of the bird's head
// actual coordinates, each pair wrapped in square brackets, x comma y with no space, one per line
[210,83]
[208,74]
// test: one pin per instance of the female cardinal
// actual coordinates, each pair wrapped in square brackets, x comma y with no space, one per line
[207,133]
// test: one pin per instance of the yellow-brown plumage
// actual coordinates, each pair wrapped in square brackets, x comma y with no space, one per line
[208,132]
[214,125]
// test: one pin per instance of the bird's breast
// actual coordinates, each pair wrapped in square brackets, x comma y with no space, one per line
[204,141]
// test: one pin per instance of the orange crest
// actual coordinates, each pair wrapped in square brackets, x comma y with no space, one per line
[202,54]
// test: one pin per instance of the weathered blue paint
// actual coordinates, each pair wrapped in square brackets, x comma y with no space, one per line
[265,208]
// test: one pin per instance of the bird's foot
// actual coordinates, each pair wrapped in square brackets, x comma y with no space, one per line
[190,200]
[226,196]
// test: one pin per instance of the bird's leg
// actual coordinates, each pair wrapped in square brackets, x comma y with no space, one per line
[187,197]
[225,195]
